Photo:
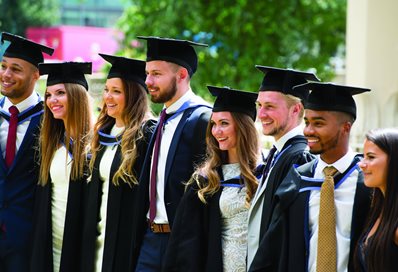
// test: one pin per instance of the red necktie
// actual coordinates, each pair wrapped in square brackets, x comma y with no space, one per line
[12,135]
[152,200]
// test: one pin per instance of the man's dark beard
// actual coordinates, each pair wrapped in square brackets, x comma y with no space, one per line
[167,94]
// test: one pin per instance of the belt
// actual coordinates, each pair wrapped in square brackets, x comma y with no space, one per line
[159,228]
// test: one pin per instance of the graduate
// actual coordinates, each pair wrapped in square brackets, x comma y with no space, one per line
[177,146]
[64,139]
[21,109]
[118,148]
[377,249]
[210,229]
[280,110]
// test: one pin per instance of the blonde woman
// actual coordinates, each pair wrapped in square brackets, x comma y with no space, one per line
[210,230]
[118,150]
[63,168]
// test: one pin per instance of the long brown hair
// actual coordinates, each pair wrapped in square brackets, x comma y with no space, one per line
[135,113]
[248,154]
[379,247]
[53,132]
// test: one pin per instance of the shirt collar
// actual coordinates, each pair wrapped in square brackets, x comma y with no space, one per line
[341,165]
[176,105]
[292,133]
[23,105]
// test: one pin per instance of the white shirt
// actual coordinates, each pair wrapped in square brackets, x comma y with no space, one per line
[32,100]
[256,208]
[105,171]
[167,137]
[344,202]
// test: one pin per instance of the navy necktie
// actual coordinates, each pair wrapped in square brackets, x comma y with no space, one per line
[268,162]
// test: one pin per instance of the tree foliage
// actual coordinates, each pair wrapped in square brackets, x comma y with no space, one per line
[298,34]
[17,15]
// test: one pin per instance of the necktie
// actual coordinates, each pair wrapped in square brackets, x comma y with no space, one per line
[152,200]
[327,259]
[268,162]
[12,135]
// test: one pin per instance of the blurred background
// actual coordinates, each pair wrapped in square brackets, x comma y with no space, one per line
[352,42]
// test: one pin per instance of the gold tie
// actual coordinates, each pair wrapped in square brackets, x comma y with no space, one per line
[327,259]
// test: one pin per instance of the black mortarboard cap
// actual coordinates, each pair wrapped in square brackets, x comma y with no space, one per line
[228,99]
[25,49]
[3,46]
[66,72]
[129,69]
[181,52]
[283,80]
[331,97]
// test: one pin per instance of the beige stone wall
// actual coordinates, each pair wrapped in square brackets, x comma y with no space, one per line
[372,62]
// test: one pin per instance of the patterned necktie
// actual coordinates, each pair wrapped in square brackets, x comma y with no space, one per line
[12,136]
[327,242]
[158,139]
[268,162]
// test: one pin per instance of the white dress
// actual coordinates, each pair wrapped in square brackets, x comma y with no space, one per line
[105,171]
[60,169]
[233,222]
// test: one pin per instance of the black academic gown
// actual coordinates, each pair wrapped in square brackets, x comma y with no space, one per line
[42,253]
[120,218]
[195,242]
[286,242]
[292,153]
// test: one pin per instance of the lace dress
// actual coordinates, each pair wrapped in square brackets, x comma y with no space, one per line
[233,222]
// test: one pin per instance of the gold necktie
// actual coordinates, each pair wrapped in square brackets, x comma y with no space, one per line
[327,259]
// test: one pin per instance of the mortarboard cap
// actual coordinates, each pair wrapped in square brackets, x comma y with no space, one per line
[25,49]
[3,47]
[283,80]
[66,72]
[228,99]
[331,97]
[130,69]
[181,52]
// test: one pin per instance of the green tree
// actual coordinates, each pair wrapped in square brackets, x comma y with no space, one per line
[298,34]
[17,15]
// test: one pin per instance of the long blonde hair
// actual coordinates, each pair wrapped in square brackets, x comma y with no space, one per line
[135,113]
[248,154]
[53,132]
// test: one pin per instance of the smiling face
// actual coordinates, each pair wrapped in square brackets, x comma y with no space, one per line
[56,100]
[115,100]
[223,129]
[374,166]
[277,117]
[327,134]
[17,78]
[161,81]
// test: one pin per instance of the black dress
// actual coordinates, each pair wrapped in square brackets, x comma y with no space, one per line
[362,255]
